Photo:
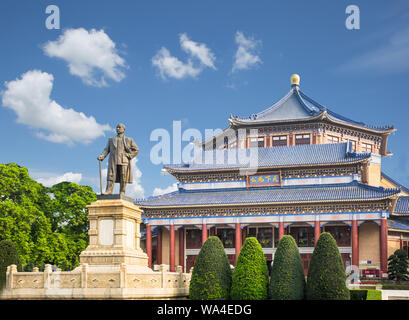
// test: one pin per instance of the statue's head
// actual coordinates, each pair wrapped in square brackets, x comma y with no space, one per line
[120,128]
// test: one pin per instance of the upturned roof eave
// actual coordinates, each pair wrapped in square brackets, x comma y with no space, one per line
[321,116]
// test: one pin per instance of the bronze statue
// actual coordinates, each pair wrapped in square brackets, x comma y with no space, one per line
[121,151]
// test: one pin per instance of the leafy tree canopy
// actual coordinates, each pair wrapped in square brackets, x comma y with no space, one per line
[47,225]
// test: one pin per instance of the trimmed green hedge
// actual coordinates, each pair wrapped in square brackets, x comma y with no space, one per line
[8,256]
[212,276]
[287,280]
[365,294]
[358,294]
[326,274]
[391,286]
[250,277]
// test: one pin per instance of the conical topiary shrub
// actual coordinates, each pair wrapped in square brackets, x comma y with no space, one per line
[326,274]
[8,256]
[287,280]
[211,277]
[250,277]
[398,266]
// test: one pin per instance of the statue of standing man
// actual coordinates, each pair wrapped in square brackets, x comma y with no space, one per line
[121,151]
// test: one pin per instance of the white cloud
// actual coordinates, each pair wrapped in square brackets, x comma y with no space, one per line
[200,51]
[246,55]
[91,55]
[52,180]
[134,190]
[159,191]
[29,97]
[172,67]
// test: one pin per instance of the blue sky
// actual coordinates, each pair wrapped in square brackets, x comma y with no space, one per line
[362,74]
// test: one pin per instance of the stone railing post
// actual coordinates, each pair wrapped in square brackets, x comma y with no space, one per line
[122,280]
[84,275]
[47,276]
[162,270]
[13,270]
[179,270]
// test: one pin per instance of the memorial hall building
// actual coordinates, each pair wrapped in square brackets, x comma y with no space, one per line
[316,171]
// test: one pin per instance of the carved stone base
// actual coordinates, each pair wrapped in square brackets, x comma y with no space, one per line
[114,233]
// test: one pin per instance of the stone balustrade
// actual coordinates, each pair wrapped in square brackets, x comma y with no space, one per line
[107,283]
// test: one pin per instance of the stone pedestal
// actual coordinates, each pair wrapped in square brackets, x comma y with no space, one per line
[114,234]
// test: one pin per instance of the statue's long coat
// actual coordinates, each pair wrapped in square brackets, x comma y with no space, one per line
[131,150]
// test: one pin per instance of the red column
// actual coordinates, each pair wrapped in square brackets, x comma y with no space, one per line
[149,245]
[384,245]
[172,248]
[238,241]
[182,248]
[355,248]
[317,231]
[204,233]
[159,239]
[280,230]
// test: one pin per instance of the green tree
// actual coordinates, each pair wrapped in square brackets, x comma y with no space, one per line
[287,280]
[250,277]
[8,256]
[22,220]
[326,274]
[47,225]
[212,276]
[398,266]
[68,215]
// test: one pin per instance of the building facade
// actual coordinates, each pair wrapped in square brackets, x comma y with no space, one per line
[295,168]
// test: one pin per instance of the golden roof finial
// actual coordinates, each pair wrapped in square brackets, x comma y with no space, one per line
[295,80]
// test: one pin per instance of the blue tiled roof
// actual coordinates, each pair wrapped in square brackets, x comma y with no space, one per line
[296,105]
[396,183]
[334,192]
[398,224]
[402,206]
[274,157]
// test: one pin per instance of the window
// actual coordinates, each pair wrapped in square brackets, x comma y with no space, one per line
[332,139]
[279,141]
[366,147]
[342,235]
[302,139]
[263,235]
[304,236]
[193,239]
[257,142]
[226,236]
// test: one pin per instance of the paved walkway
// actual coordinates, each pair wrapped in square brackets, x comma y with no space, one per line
[395,294]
